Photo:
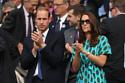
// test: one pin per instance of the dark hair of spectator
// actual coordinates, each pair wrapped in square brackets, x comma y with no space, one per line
[120,4]
[94,25]
[77,9]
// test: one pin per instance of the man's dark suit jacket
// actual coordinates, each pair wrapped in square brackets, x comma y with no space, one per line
[15,24]
[70,37]
[114,29]
[52,59]
[7,69]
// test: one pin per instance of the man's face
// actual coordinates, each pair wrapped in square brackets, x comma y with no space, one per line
[31,5]
[42,20]
[72,18]
[60,7]
[6,11]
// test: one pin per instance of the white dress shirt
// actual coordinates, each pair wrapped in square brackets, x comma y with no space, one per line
[62,20]
[44,37]
[26,20]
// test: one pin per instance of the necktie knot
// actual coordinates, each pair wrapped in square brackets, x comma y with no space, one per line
[58,21]
[29,15]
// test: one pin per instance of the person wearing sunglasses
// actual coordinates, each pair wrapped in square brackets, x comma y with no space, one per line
[91,51]
[7,8]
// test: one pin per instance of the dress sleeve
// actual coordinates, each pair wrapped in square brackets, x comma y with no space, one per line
[105,47]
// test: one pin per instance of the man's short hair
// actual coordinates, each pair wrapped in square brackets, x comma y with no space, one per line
[40,8]
[120,4]
[77,9]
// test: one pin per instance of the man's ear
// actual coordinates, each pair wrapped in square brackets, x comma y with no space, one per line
[50,18]
[67,5]
[117,11]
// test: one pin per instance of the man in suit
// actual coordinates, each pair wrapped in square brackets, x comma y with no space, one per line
[71,36]
[114,29]
[7,71]
[48,44]
[59,21]
[17,23]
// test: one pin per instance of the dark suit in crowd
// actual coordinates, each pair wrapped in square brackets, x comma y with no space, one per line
[114,29]
[52,60]
[71,35]
[14,27]
[7,60]
[15,24]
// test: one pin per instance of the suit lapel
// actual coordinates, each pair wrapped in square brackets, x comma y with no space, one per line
[49,36]
[22,18]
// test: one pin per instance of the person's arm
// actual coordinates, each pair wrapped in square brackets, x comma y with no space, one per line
[28,58]
[76,62]
[76,59]
[98,60]
[2,45]
[105,50]
[68,47]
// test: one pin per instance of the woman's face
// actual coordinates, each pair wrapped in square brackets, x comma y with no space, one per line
[85,23]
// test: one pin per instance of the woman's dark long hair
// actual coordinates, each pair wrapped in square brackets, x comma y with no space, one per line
[94,25]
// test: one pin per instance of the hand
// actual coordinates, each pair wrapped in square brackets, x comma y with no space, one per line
[37,38]
[20,47]
[68,47]
[34,50]
[79,46]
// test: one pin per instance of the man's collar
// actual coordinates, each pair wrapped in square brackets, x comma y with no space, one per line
[63,18]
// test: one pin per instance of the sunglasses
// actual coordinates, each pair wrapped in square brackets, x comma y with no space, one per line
[111,9]
[6,13]
[83,21]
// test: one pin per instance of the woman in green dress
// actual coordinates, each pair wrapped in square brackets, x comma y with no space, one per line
[91,51]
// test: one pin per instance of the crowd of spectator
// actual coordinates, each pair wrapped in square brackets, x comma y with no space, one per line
[62,41]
